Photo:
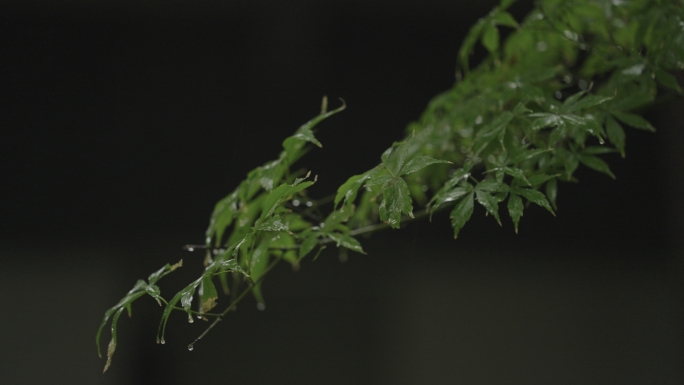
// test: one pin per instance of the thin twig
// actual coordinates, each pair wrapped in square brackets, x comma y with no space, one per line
[232,305]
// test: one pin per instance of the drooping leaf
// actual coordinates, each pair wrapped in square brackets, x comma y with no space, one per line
[535,197]
[633,120]
[224,212]
[308,245]
[490,203]
[595,163]
[461,213]
[667,79]
[515,209]
[208,295]
[616,134]
[396,200]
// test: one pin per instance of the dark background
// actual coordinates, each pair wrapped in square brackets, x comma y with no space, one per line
[123,123]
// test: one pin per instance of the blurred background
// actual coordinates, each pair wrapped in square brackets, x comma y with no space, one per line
[124,122]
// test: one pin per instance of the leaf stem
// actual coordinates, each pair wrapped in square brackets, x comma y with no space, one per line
[219,317]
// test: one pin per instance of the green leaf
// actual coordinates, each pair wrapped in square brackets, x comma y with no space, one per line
[515,209]
[308,245]
[418,163]
[350,188]
[461,213]
[504,18]
[294,144]
[586,102]
[535,197]
[633,120]
[595,163]
[449,196]
[492,131]
[279,195]
[208,295]
[616,134]
[346,241]
[398,156]
[490,203]
[517,174]
[274,223]
[396,200]
[490,38]
[667,80]
[544,120]
[552,191]
[224,212]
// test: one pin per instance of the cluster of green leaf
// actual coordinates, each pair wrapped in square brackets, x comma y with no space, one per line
[555,94]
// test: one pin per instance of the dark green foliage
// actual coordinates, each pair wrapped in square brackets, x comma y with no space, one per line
[555,95]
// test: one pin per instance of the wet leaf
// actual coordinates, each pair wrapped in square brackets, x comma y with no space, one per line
[293,145]
[586,102]
[346,241]
[396,200]
[224,212]
[418,163]
[490,203]
[279,195]
[449,196]
[515,209]
[350,188]
[535,197]
[208,295]
[273,223]
[461,213]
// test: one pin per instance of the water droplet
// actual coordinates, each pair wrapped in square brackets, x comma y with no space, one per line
[190,320]
[191,346]
[570,35]
[191,249]
[541,46]
[309,204]
[558,95]
[478,120]
[583,84]
[261,306]
[163,341]
[295,202]
[158,340]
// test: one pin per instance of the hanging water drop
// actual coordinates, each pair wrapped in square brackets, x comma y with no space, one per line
[261,306]
[191,249]
[163,341]
[191,346]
